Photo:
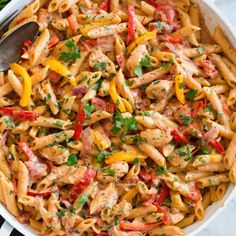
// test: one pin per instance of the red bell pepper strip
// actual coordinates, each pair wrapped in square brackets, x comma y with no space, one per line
[105,5]
[139,226]
[131,24]
[27,151]
[194,194]
[34,193]
[18,114]
[80,186]
[79,121]
[216,144]
[200,104]
[178,137]
[166,218]
[163,193]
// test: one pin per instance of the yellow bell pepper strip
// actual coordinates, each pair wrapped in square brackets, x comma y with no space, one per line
[100,138]
[142,39]
[124,156]
[179,88]
[128,106]
[27,89]
[128,197]
[115,97]
[56,66]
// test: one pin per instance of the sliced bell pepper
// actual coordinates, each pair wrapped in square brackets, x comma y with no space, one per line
[100,138]
[178,137]
[179,88]
[54,40]
[196,108]
[130,195]
[27,151]
[56,66]
[105,5]
[128,106]
[73,24]
[79,121]
[141,40]
[115,97]
[27,90]
[124,156]
[216,144]
[163,193]
[131,24]
[18,114]
[81,185]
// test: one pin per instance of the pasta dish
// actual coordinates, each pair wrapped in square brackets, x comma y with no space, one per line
[118,119]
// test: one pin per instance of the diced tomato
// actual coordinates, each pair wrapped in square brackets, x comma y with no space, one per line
[216,144]
[179,137]
[195,194]
[99,103]
[25,46]
[110,107]
[163,193]
[163,209]
[79,121]
[131,24]
[80,186]
[18,114]
[144,175]
[200,104]
[139,226]
[105,5]
[54,40]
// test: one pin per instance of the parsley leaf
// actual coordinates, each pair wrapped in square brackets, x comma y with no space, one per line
[145,62]
[72,54]
[185,119]
[62,213]
[191,94]
[88,109]
[101,155]
[72,160]
[136,161]
[160,170]
[123,124]
[101,65]
[108,171]
[138,70]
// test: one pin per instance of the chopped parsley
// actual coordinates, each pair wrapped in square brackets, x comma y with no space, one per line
[88,109]
[201,50]
[82,200]
[101,155]
[160,170]
[136,161]
[191,94]
[186,151]
[186,119]
[145,62]
[108,171]
[100,65]
[123,124]
[203,151]
[62,213]
[72,160]
[72,54]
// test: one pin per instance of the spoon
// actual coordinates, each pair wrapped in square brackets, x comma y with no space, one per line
[10,46]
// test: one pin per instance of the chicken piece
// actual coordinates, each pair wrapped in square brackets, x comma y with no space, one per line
[135,58]
[107,197]
[58,154]
[160,89]
[101,62]
[156,137]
